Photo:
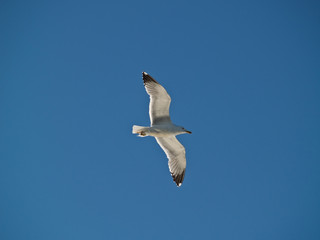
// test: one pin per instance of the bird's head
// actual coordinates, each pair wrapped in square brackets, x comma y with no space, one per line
[185,130]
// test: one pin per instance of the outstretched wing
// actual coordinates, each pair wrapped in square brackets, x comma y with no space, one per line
[176,154]
[159,100]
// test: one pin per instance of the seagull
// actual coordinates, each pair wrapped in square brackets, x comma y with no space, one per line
[163,129]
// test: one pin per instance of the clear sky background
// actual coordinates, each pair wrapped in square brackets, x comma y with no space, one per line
[244,77]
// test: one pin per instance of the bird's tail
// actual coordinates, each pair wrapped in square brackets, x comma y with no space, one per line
[139,130]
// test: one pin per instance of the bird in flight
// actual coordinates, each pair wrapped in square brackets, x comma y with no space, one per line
[163,129]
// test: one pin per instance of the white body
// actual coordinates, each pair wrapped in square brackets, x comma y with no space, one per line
[167,130]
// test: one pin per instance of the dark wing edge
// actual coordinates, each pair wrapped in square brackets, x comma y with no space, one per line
[178,179]
[147,78]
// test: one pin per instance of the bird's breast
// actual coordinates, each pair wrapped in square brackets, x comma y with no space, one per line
[161,131]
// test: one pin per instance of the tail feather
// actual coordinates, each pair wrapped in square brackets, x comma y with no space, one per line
[139,130]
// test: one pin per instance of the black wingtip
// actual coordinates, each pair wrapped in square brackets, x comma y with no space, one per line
[147,78]
[178,179]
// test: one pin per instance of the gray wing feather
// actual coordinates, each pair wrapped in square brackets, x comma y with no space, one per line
[159,100]
[176,154]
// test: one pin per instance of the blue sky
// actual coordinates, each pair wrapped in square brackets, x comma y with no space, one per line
[244,78]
